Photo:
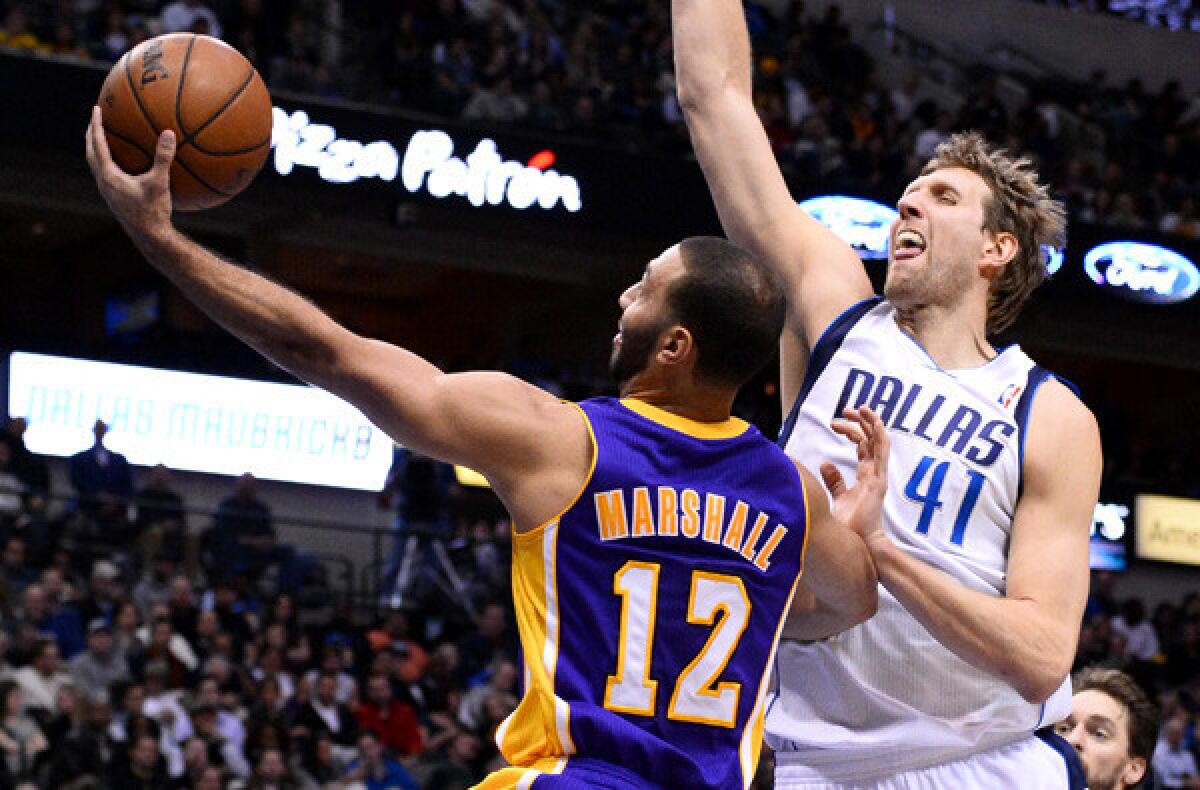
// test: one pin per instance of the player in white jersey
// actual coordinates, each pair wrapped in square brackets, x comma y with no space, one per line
[982,556]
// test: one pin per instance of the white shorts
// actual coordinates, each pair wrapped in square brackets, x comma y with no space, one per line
[1035,763]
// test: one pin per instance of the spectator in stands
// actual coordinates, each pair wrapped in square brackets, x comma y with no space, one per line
[84,759]
[1113,726]
[30,469]
[16,33]
[375,769]
[221,750]
[455,767]
[143,768]
[324,715]
[271,773]
[15,574]
[490,640]
[22,743]
[41,680]
[12,490]
[52,616]
[155,585]
[1174,765]
[100,666]
[105,593]
[160,522]
[183,15]
[392,721]
[104,483]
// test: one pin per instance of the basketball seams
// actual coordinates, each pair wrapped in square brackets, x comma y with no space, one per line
[179,161]
[238,152]
[133,143]
[187,56]
[191,137]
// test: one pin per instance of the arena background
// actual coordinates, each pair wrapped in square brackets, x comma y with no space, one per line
[1108,101]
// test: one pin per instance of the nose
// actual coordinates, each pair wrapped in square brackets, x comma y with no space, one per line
[628,296]
[908,207]
[1074,737]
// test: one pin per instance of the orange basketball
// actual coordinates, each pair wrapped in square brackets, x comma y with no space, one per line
[213,99]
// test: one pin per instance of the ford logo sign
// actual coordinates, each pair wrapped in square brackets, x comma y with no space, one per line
[863,224]
[1143,272]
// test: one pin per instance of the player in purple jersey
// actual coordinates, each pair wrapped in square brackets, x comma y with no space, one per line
[658,540]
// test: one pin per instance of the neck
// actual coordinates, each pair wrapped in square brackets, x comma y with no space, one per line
[955,339]
[702,403]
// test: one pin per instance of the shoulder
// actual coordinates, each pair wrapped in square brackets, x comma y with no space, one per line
[1063,434]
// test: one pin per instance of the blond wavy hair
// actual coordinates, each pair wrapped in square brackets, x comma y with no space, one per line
[1019,204]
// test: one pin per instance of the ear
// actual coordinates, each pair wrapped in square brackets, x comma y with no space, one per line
[676,346]
[1135,771]
[998,251]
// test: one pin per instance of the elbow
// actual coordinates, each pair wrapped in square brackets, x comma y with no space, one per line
[700,93]
[1039,684]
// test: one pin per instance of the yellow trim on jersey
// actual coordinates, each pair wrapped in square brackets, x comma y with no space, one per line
[514,777]
[807,527]
[726,429]
[539,728]
[752,736]
[706,688]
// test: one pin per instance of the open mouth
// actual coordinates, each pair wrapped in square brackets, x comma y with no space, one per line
[907,244]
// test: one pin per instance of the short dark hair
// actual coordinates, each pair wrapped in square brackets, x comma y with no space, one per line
[1143,714]
[732,303]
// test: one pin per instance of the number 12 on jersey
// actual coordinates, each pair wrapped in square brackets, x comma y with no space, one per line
[929,501]
[697,696]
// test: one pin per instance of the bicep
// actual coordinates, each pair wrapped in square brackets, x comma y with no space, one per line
[1048,556]
[823,275]
[492,422]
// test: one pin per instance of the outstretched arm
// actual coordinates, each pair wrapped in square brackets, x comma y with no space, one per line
[713,69]
[534,449]
[1028,636]
[839,587]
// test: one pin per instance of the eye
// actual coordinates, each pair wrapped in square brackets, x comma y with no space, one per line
[1062,728]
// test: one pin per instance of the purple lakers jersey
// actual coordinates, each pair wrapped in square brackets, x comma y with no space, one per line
[650,609]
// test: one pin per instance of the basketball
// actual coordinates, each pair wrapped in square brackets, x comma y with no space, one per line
[212,98]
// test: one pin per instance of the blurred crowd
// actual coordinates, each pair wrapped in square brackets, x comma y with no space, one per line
[1122,155]
[1171,14]
[135,653]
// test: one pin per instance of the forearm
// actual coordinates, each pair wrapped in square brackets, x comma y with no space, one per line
[1012,639]
[280,324]
[839,589]
[712,50]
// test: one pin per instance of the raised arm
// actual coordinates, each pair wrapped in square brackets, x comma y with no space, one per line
[839,587]
[713,74]
[533,449]
[1027,637]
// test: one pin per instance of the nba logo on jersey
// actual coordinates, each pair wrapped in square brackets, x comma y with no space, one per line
[1010,395]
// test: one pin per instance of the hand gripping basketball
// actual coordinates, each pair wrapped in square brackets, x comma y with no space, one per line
[142,202]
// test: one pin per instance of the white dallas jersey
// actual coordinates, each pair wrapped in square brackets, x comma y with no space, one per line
[886,696]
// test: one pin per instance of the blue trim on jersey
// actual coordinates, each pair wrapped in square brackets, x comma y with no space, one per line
[1041,715]
[826,346]
[952,371]
[1037,376]
[1076,780]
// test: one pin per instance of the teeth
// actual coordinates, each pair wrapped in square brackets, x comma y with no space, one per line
[909,238]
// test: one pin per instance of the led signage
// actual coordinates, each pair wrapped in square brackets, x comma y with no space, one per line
[1142,272]
[863,224]
[429,164]
[197,422]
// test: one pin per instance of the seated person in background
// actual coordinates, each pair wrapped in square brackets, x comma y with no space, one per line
[1174,766]
[160,523]
[1112,725]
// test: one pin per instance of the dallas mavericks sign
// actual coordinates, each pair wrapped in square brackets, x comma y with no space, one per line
[863,224]
[1142,272]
